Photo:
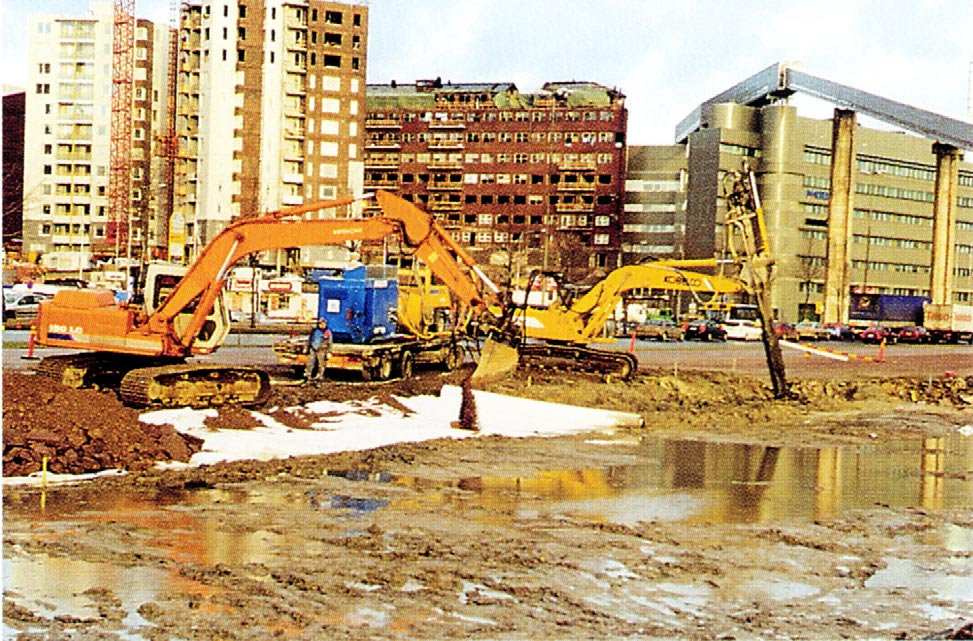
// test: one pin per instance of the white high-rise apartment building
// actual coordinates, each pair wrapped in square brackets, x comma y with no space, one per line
[66,135]
[270,104]
[67,138]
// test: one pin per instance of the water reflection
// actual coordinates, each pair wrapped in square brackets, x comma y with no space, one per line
[702,482]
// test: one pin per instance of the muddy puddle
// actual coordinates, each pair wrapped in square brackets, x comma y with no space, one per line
[677,481]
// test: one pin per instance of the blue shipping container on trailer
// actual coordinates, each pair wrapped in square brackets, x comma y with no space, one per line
[360,304]
[886,309]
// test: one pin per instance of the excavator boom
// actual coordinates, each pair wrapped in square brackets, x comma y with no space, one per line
[93,321]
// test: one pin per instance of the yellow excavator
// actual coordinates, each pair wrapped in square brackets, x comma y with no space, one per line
[558,335]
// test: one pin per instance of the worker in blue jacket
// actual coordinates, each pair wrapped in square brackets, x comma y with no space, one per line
[319,344]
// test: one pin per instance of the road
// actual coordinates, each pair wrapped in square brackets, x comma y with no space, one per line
[739,357]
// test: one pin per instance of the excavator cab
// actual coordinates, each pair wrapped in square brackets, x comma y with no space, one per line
[161,279]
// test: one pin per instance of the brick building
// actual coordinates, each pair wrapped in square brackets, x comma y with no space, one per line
[521,180]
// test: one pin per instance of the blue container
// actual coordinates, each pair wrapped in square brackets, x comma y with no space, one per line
[361,304]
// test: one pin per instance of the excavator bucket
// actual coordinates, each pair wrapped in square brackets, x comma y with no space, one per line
[497,359]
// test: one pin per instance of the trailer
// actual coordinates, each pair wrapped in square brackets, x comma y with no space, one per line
[949,323]
[396,355]
[363,306]
[887,310]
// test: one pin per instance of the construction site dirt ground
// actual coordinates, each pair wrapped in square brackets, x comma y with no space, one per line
[845,511]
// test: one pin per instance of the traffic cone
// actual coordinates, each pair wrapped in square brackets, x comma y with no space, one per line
[30,345]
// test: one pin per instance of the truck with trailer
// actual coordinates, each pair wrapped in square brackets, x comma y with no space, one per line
[381,327]
[948,323]
[886,310]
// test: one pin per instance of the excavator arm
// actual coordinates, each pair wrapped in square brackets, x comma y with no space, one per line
[138,350]
[596,306]
[582,321]
[204,281]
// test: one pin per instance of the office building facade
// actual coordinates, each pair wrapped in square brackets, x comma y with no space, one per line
[893,194]
[520,180]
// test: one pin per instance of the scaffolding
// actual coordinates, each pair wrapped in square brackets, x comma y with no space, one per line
[117,233]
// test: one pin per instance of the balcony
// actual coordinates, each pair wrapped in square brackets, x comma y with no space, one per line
[292,179]
[381,184]
[382,123]
[67,239]
[437,145]
[447,124]
[575,207]
[382,145]
[444,185]
[442,205]
[576,165]
[576,186]
[380,163]
[445,164]
[291,200]
[294,133]
[295,88]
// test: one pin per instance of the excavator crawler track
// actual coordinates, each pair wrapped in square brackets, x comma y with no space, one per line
[93,370]
[573,358]
[194,386]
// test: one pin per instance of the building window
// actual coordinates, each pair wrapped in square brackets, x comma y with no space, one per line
[333,62]
[333,17]
[601,239]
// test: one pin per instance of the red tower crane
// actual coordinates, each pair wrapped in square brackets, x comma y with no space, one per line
[120,152]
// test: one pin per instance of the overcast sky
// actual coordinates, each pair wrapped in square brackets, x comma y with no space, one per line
[666,57]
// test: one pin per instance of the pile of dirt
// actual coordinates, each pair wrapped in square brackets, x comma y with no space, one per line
[79,431]
[232,417]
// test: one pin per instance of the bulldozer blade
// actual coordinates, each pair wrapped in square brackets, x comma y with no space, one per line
[497,359]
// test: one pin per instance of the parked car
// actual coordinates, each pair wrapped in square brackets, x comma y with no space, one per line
[742,330]
[840,331]
[705,330]
[21,305]
[659,329]
[876,334]
[912,334]
[811,331]
[785,331]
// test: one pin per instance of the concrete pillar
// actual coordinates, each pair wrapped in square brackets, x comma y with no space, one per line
[944,223]
[836,285]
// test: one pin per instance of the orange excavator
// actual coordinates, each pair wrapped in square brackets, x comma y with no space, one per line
[141,350]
